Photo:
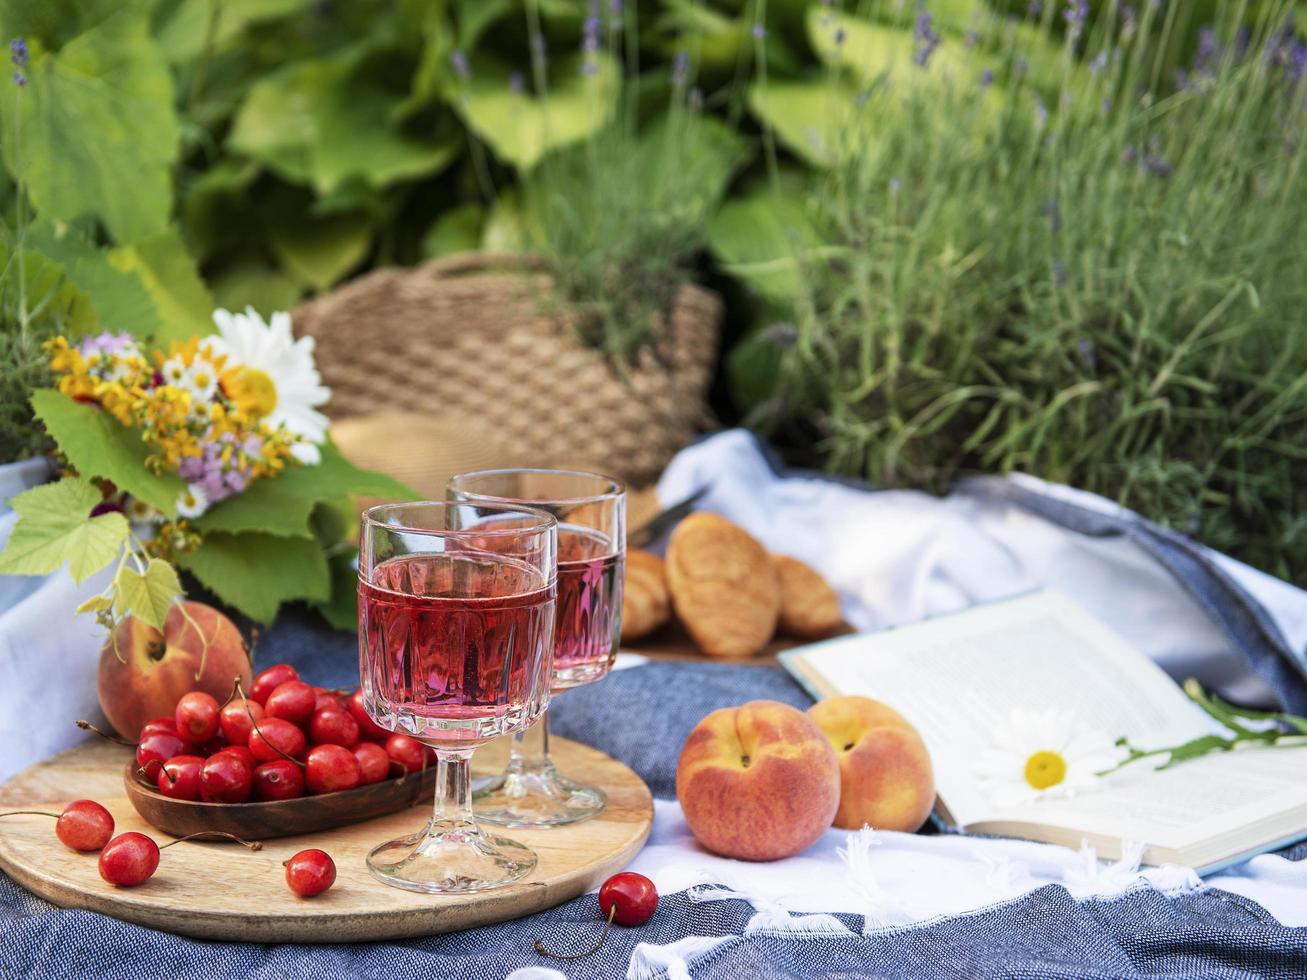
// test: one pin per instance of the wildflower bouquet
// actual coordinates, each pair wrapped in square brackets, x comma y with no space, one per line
[209,456]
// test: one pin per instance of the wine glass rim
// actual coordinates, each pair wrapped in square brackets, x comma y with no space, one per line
[544,519]
[615,487]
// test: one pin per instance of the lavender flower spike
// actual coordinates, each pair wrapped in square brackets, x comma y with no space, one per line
[461,67]
[680,68]
[18,52]
[924,31]
[759,31]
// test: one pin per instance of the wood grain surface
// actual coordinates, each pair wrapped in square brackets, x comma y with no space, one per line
[222,891]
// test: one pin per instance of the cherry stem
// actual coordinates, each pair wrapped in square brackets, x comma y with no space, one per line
[144,771]
[29,813]
[86,726]
[540,947]
[235,689]
[253,845]
[255,724]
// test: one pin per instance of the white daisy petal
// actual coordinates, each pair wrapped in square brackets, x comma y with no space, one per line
[1040,755]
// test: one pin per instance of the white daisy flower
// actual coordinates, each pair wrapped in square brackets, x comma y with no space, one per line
[139,512]
[192,502]
[1041,754]
[307,453]
[277,380]
[202,382]
[176,372]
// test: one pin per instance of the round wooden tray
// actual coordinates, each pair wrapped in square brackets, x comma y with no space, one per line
[222,891]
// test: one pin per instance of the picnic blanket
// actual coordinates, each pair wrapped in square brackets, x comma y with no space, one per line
[856,903]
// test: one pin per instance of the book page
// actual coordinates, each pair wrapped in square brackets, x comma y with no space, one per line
[958,676]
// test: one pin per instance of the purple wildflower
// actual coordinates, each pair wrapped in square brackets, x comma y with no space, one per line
[590,35]
[461,67]
[1034,8]
[1041,113]
[1129,153]
[516,83]
[1154,163]
[1085,348]
[971,39]
[759,32]
[1099,62]
[680,69]
[1054,215]
[20,79]
[840,36]
[1075,14]
[924,31]
[1208,53]
[108,343]
[987,78]
[615,7]
[18,52]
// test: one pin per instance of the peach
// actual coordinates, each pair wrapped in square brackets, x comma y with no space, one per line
[886,779]
[143,673]
[758,782]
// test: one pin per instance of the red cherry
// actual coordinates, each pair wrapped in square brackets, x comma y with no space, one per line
[179,777]
[279,779]
[197,716]
[158,747]
[246,756]
[629,897]
[374,764]
[310,873]
[276,738]
[234,719]
[407,752]
[84,825]
[168,725]
[327,698]
[269,680]
[226,778]
[293,701]
[129,859]
[330,769]
[212,747]
[367,727]
[334,726]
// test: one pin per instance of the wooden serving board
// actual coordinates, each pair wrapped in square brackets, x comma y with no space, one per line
[222,891]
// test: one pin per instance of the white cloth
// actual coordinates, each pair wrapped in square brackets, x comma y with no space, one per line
[897,556]
[46,652]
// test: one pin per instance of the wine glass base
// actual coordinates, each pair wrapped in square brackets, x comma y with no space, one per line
[537,797]
[452,862]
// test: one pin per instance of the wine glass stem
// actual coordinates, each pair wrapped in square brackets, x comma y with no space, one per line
[453,813]
[530,748]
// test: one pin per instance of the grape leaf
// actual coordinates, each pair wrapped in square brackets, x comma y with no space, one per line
[55,527]
[99,132]
[282,505]
[147,595]
[256,573]
[167,271]
[97,446]
[341,611]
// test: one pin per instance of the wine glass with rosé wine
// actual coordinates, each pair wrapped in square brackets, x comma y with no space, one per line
[456,637]
[591,513]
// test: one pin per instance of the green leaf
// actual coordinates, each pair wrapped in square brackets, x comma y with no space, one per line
[183,301]
[97,446]
[456,230]
[183,33]
[256,573]
[341,611]
[149,595]
[96,604]
[55,527]
[281,506]
[520,128]
[98,129]
[321,122]
[320,251]
[102,297]
[267,290]
[812,118]
[764,238]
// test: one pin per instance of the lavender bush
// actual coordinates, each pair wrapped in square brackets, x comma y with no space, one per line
[1089,267]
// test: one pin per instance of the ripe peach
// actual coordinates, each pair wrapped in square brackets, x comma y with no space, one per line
[143,673]
[758,782]
[886,779]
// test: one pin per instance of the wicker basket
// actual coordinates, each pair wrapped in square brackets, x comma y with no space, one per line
[472,341]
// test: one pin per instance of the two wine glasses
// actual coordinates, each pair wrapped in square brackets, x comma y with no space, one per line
[472,612]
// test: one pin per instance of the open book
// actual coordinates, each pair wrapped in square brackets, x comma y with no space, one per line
[958,676]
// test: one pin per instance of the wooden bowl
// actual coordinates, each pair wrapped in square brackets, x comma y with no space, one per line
[277,818]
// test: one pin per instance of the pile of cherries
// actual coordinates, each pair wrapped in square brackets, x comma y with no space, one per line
[285,740]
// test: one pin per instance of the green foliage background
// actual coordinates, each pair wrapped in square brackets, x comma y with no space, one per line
[182,154]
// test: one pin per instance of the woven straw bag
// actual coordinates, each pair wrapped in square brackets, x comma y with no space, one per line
[474,346]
